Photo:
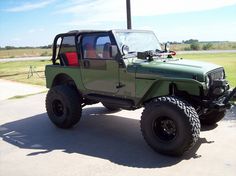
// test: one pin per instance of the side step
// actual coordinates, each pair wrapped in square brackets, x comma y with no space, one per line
[117,102]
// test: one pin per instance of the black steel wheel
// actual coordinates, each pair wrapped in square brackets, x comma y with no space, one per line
[165,128]
[58,108]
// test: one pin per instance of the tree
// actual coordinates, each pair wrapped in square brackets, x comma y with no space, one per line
[190,41]
[9,47]
[207,46]
[195,46]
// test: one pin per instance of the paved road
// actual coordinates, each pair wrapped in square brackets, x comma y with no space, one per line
[103,144]
[206,51]
[25,59]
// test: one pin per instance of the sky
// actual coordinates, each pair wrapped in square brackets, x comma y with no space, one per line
[36,22]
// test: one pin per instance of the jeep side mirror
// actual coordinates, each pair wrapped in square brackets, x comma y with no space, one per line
[167,47]
[125,49]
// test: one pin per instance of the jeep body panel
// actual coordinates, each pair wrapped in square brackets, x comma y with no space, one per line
[140,83]
[55,71]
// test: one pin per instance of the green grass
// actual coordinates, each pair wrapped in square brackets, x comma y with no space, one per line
[214,46]
[227,60]
[19,71]
[13,53]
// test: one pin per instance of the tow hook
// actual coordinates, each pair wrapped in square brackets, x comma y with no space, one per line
[230,96]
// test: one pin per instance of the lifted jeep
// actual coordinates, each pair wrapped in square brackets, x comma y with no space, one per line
[127,69]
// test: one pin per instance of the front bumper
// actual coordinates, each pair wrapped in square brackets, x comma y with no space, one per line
[224,102]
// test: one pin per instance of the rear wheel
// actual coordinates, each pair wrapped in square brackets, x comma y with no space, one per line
[212,117]
[63,104]
[170,126]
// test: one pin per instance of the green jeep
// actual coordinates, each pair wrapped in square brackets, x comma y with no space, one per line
[128,69]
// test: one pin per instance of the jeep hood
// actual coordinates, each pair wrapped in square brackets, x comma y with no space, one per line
[177,68]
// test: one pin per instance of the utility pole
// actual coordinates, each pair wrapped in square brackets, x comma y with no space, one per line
[128,11]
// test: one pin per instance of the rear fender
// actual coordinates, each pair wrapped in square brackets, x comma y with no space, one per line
[58,75]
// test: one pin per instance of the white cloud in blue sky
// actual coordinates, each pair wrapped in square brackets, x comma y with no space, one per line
[29,6]
[36,22]
[160,7]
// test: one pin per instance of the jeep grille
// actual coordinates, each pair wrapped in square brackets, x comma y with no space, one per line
[216,74]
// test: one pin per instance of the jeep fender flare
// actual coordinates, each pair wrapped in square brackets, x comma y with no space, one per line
[165,87]
[62,78]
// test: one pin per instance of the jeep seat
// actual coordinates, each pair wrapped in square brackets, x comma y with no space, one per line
[90,52]
[70,59]
[106,51]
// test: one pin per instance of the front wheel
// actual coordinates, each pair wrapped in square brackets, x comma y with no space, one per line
[63,105]
[170,126]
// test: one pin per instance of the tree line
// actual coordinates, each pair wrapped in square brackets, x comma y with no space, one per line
[25,47]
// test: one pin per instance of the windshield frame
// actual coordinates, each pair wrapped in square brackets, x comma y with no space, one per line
[132,31]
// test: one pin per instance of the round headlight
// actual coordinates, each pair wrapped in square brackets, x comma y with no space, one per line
[207,81]
[222,76]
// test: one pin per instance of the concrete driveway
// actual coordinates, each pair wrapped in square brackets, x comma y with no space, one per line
[9,89]
[103,143]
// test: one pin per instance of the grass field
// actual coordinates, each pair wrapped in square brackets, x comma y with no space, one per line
[12,53]
[19,71]
[214,46]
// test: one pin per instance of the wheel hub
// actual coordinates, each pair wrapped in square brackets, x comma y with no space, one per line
[165,128]
[58,108]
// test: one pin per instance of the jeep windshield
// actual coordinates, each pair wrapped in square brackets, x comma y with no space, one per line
[138,41]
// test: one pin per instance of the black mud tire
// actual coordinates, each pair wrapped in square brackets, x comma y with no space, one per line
[110,107]
[170,126]
[212,117]
[63,105]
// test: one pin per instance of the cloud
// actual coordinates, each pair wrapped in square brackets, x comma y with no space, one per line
[100,11]
[160,7]
[29,6]
[94,12]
